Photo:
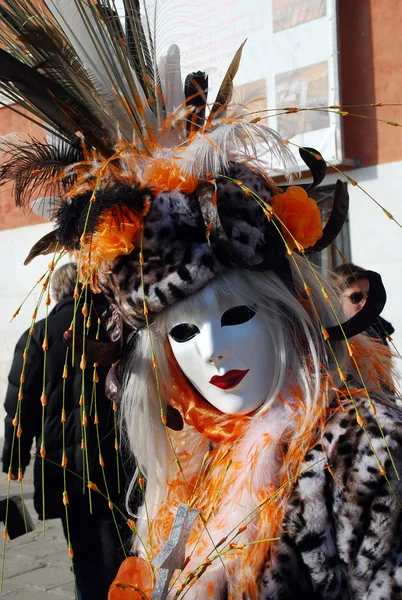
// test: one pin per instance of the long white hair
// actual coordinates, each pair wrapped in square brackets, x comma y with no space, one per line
[302,355]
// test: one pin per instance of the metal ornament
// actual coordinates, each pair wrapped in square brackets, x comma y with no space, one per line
[172,555]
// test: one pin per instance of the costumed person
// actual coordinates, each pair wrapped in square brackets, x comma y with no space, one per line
[93,537]
[355,290]
[268,451]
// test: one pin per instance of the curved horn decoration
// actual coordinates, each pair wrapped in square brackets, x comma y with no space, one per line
[316,164]
[361,321]
[336,220]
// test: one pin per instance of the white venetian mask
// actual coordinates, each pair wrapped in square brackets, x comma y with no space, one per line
[226,351]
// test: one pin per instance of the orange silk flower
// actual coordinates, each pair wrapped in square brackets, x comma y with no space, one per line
[116,234]
[300,216]
[133,580]
[163,175]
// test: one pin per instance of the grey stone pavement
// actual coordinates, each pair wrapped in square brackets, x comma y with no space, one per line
[36,566]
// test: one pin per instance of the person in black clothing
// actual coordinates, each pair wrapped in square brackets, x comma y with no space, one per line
[93,536]
[356,288]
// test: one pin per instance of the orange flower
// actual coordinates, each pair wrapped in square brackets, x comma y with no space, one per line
[116,234]
[300,216]
[163,175]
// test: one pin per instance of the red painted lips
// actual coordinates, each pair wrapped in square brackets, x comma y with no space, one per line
[229,380]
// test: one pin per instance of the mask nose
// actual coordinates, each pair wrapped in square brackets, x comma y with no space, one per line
[216,359]
[212,345]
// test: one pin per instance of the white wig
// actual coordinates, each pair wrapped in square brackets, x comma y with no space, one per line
[302,356]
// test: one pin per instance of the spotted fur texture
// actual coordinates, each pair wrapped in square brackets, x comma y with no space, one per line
[342,535]
[179,258]
[242,216]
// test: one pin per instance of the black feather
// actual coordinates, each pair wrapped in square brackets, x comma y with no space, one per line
[196,91]
[49,52]
[73,213]
[44,72]
[12,21]
[55,59]
[35,166]
[119,198]
[55,102]
[68,217]
[46,245]
[137,45]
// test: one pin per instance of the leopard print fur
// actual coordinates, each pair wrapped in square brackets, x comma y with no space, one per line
[179,259]
[342,535]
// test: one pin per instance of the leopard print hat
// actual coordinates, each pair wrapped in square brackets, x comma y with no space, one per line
[147,249]
[179,254]
[187,238]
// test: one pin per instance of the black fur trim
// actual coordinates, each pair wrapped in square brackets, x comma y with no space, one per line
[72,214]
[68,219]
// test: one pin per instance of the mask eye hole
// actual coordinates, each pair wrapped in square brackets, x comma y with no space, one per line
[183,332]
[237,315]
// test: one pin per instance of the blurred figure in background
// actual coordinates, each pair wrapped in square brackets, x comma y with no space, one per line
[355,291]
[93,536]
